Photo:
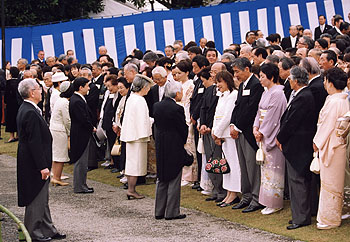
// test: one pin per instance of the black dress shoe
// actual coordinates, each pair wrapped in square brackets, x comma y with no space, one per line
[125,186]
[59,236]
[86,191]
[199,189]
[120,176]
[296,226]
[210,199]
[252,208]
[181,216]
[42,239]
[159,217]
[290,222]
[90,189]
[218,200]
[115,170]
[241,205]
[196,186]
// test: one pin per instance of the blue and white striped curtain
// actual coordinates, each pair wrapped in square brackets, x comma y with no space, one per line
[224,24]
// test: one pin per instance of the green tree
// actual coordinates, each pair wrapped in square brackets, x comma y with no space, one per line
[32,12]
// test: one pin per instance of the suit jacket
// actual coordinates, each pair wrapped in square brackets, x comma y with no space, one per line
[81,126]
[320,94]
[287,43]
[172,131]
[244,113]
[209,102]
[34,152]
[151,98]
[99,81]
[318,31]
[109,113]
[196,99]
[333,32]
[92,100]
[287,90]
[296,131]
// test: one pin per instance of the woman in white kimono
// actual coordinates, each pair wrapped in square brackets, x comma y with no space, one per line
[221,135]
[60,131]
[331,146]
[180,73]
[136,132]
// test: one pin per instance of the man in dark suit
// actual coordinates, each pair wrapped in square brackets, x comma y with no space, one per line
[292,40]
[92,100]
[156,92]
[202,45]
[241,129]
[320,94]
[284,67]
[33,164]
[295,141]
[199,62]
[81,134]
[171,136]
[41,58]
[335,31]
[322,28]
[210,100]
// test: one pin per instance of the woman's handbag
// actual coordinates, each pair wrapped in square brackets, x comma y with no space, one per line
[315,164]
[116,148]
[200,146]
[217,165]
[260,155]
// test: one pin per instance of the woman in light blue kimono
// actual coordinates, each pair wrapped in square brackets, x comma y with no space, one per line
[266,126]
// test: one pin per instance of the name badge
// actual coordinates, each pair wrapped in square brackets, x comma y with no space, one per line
[98,86]
[111,95]
[200,90]
[246,92]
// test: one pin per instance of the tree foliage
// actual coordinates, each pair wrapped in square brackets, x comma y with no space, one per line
[170,3]
[32,12]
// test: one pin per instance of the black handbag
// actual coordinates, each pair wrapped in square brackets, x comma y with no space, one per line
[217,165]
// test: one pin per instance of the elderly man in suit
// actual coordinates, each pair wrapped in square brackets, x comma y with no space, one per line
[33,164]
[295,141]
[241,129]
[292,40]
[81,134]
[320,94]
[322,28]
[171,136]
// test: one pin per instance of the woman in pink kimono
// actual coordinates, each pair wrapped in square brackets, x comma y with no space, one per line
[266,126]
[331,146]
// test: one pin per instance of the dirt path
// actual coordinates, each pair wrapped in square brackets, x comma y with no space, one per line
[107,216]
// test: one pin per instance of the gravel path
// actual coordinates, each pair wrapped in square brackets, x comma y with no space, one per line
[107,216]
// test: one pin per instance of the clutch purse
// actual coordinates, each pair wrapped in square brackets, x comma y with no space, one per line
[315,164]
[260,155]
[217,165]
[116,148]
[200,146]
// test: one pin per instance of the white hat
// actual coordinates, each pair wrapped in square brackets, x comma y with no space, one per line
[64,86]
[58,77]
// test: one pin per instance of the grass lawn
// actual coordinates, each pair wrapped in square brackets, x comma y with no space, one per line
[275,223]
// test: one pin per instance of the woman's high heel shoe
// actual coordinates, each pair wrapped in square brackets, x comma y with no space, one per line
[134,196]
[55,182]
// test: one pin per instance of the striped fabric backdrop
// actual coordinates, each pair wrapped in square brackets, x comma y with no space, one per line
[225,24]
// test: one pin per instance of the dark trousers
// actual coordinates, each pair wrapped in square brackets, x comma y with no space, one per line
[123,155]
[216,179]
[299,191]
[37,217]
[168,197]
[315,193]
[111,137]
[80,170]
[199,156]
[250,171]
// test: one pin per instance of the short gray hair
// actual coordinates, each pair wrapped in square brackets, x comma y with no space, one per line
[228,56]
[62,57]
[300,74]
[139,82]
[89,72]
[23,61]
[159,70]
[131,66]
[311,65]
[172,88]
[25,86]
[273,59]
[150,56]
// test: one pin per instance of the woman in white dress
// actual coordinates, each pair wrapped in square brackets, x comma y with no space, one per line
[136,132]
[60,131]
[180,73]
[221,136]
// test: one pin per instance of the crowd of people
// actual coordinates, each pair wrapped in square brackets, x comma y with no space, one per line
[168,113]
